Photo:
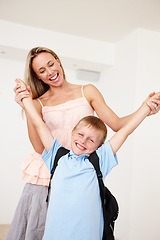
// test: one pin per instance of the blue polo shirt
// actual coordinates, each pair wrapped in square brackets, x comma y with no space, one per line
[75,211]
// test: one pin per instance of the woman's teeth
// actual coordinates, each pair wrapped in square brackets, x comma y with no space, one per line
[54,78]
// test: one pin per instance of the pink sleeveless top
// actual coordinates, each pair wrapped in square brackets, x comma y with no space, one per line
[60,119]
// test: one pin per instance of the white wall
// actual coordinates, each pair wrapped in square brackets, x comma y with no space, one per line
[135,182]
[145,194]
[118,85]
[96,55]
[124,85]
[14,142]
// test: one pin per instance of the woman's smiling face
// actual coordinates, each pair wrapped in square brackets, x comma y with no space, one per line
[48,69]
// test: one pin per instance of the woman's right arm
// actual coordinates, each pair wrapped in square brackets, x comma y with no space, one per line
[20,94]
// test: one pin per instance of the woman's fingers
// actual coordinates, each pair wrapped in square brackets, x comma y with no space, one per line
[20,96]
[21,91]
[153,107]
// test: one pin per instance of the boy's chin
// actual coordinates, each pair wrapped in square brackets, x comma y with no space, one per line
[78,151]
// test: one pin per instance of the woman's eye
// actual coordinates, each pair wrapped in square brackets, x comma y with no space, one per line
[51,64]
[42,71]
[80,134]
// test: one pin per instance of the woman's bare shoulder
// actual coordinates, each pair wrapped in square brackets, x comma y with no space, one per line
[90,89]
[75,86]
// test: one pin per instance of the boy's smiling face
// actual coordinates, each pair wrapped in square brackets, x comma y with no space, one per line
[85,139]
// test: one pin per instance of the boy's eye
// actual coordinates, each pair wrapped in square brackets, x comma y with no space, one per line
[91,140]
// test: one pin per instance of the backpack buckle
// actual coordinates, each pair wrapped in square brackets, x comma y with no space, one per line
[99,175]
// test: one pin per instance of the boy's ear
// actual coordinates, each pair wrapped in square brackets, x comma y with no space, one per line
[100,145]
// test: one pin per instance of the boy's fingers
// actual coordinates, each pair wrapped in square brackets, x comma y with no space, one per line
[152,94]
[19,90]
[15,88]
[18,80]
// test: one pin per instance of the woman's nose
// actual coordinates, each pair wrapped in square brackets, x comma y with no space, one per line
[49,71]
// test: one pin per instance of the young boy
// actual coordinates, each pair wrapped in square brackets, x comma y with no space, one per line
[75,210]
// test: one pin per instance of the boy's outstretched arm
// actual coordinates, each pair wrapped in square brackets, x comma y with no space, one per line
[41,128]
[119,138]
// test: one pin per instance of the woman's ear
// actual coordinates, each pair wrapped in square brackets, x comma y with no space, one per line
[57,59]
[72,132]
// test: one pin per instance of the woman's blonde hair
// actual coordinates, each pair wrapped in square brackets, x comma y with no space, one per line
[38,87]
[96,123]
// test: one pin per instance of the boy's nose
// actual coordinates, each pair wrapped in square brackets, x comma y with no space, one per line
[83,140]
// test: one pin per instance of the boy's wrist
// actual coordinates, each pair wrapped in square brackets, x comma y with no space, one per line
[147,105]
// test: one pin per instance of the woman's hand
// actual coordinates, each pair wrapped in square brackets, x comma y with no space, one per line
[153,101]
[21,91]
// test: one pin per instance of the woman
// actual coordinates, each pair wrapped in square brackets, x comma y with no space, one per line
[61,105]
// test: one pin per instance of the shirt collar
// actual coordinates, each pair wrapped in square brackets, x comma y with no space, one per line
[72,154]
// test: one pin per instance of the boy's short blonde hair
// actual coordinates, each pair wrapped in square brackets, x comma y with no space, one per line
[96,123]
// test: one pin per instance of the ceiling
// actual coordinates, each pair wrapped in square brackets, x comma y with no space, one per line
[104,20]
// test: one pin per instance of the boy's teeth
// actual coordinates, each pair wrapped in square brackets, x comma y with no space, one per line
[80,146]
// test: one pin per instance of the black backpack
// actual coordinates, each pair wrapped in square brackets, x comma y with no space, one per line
[109,203]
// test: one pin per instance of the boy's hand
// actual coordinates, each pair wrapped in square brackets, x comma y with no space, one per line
[21,91]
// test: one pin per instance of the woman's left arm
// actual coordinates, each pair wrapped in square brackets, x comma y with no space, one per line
[97,102]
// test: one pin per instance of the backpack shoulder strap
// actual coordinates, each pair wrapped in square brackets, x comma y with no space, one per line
[61,152]
[109,203]
[94,159]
